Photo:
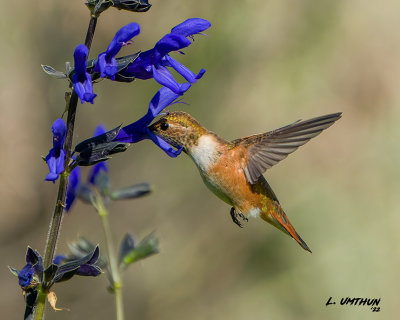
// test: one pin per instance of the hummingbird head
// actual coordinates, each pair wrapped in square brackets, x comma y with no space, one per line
[178,129]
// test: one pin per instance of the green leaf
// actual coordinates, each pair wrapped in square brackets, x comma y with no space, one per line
[98,6]
[127,245]
[146,248]
[132,5]
[53,72]
[131,192]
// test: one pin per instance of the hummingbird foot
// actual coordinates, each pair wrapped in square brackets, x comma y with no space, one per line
[235,215]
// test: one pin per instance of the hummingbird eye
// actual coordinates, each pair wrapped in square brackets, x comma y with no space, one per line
[164,126]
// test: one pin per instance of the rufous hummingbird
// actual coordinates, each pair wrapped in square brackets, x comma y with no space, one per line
[234,170]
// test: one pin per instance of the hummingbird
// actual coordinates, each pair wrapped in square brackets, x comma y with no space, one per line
[233,170]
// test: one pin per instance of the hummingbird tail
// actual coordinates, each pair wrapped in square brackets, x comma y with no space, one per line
[277,217]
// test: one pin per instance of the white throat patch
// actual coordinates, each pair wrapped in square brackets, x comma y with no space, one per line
[205,152]
[254,213]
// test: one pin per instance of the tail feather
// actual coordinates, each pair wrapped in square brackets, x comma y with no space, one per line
[277,217]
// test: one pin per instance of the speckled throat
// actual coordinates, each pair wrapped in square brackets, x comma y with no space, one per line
[183,129]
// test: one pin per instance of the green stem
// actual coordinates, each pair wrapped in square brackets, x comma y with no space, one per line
[55,223]
[114,270]
[40,303]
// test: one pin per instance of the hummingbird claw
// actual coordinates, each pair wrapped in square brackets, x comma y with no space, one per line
[243,217]
[235,215]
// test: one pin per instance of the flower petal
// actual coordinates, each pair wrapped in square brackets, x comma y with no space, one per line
[138,131]
[183,71]
[168,43]
[84,89]
[165,78]
[81,79]
[122,36]
[74,179]
[25,276]
[52,164]
[107,64]
[107,68]
[59,128]
[167,148]
[56,166]
[191,26]
[162,99]
[132,133]
[58,259]
[80,58]
[60,162]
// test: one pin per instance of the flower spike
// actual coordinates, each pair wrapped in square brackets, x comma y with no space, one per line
[153,63]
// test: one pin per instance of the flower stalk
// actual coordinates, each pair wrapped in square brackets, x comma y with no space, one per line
[112,260]
[55,223]
[40,303]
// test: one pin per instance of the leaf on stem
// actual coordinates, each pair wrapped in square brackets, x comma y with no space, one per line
[53,72]
[147,247]
[127,245]
[131,192]
[132,5]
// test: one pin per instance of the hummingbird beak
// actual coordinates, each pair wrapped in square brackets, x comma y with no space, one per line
[157,129]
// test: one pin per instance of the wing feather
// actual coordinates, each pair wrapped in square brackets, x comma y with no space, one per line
[267,149]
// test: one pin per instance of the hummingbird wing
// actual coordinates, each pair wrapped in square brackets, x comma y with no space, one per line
[267,149]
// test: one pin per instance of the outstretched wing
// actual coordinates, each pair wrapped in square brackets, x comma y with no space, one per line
[267,149]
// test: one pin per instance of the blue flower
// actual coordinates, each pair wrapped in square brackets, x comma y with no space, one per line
[81,79]
[74,179]
[101,166]
[25,276]
[190,27]
[29,275]
[138,130]
[107,64]
[34,266]
[59,259]
[154,62]
[56,156]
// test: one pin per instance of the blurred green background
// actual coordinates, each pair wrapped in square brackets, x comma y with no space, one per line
[268,63]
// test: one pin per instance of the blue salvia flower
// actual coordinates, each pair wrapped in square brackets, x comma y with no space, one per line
[59,259]
[107,65]
[101,166]
[25,276]
[74,180]
[154,62]
[29,275]
[81,79]
[190,27]
[55,158]
[138,130]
